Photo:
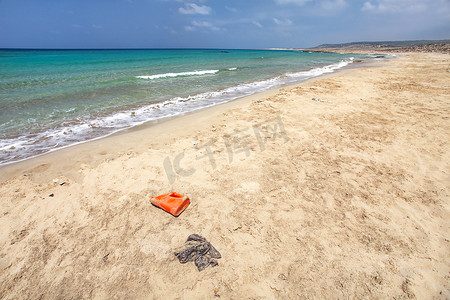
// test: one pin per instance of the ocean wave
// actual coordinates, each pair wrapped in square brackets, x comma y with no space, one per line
[322,70]
[165,75]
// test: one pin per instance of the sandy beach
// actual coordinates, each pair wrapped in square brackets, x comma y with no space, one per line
[331,189]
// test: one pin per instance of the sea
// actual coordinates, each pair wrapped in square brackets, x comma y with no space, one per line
[50,99]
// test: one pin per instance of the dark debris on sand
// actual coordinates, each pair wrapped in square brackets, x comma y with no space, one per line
[198,249]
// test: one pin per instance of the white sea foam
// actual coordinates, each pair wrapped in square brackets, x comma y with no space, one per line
[165,75]
[322,70]
[82,130]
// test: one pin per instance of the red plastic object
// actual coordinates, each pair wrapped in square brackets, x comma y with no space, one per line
[173,203]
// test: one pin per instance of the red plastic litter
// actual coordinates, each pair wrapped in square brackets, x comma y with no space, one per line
[173,203]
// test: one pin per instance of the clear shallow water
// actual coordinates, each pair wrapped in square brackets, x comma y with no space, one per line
[51,99]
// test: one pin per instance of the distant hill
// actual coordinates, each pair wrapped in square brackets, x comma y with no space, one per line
[442,46]
[385,44]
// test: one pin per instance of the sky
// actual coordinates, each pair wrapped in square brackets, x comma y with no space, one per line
[217,23]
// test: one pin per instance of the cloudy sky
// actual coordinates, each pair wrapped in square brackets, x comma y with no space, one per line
[217,23]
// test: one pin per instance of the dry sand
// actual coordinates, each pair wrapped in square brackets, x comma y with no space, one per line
[346,197]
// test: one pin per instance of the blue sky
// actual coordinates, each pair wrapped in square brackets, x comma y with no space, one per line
[217,23]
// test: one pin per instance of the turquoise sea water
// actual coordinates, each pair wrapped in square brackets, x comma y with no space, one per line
[55,98]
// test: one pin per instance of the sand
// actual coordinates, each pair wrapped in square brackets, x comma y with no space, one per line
[343,196]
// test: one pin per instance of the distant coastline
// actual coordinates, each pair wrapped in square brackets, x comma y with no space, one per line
[428,46]
[435,46]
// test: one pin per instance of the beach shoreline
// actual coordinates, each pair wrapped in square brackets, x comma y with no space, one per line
[38,119]
[336,187]
[14,168]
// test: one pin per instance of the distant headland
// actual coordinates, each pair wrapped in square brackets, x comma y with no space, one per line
[438,46]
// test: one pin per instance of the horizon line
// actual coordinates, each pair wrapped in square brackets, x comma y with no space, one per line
[156,48]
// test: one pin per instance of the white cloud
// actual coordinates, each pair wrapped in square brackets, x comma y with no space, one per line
[232,9]
[201,24]
[298,2]
[285,22]
[333,5]
[194,9]
[257,24]
[393,6]
[368,7]
[318,7]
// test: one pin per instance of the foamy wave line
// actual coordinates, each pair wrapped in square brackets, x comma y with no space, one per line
[323,70]
[165,75]
[17,149]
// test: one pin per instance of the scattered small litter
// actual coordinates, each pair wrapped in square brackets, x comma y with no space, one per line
[198,249]
[319,100]
[105,257]
[173,203]
[216,291]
